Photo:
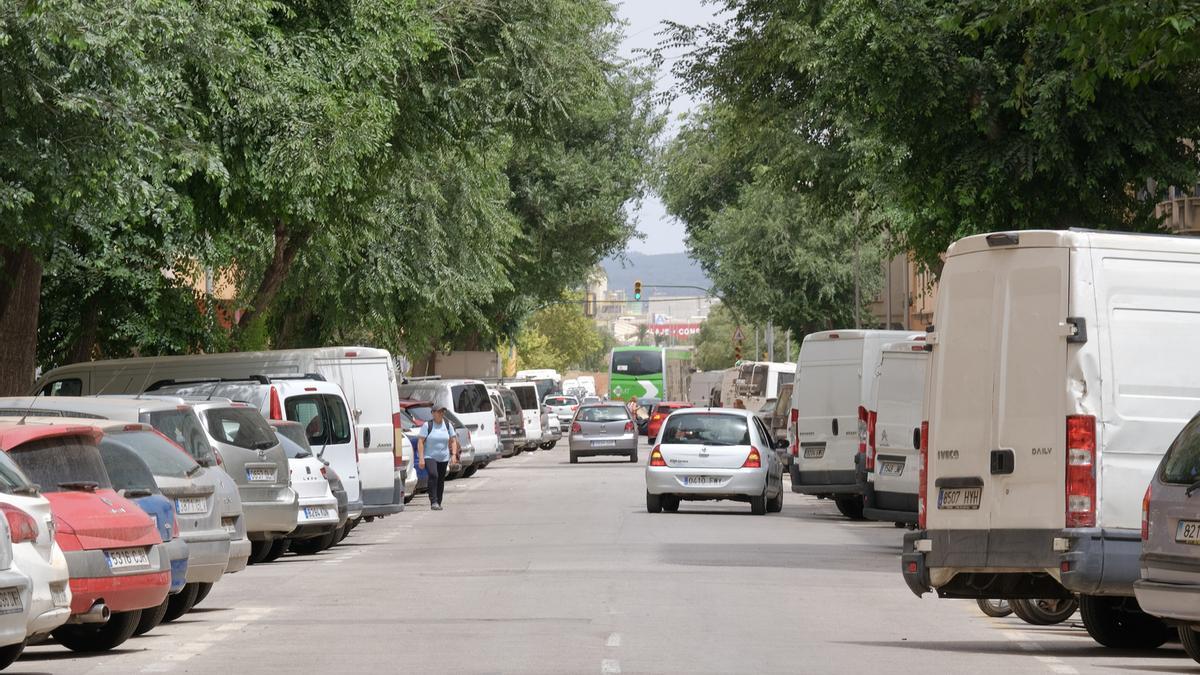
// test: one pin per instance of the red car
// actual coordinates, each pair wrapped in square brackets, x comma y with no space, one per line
[114,551]
[659,413]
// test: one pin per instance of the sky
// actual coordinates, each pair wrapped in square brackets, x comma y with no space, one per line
[663,234]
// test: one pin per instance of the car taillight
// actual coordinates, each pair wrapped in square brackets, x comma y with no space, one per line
[795,434]
[656,458]
[657,417]
[217,455]
[575,428]
[872,418]
[923,476]
[21,526]
[325,472]
[629,426]
[1081,471]
[1146,513]
[862,430]
[753,460]
[276,407]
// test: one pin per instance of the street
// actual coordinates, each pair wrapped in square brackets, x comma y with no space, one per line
[540,566]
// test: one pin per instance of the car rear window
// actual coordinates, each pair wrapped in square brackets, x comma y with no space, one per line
[159,453]
[288,439]
[562,400]
[603,413]
[707,429]
[323,417]
[527,396]
[125,469]
[1183,457]
[51,462]
[183,427]
[240,427]
[470,398]
[12,479]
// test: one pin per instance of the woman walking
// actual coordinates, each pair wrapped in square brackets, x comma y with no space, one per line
[436,444]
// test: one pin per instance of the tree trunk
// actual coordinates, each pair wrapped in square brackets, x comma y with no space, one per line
[287,246]
[88,328]
[20,296]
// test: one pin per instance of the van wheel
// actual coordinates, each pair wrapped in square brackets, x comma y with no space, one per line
[278,548]
[151,617]
[1044,612]
[851,507]
[10,653]
[997,609]
[1120,623]
[758,504]
[98,637]
[1190,637]
[181,603]
[775,504]
[670,503]
[654,503]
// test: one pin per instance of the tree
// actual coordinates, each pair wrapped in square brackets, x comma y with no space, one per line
[714,342]
[559,336]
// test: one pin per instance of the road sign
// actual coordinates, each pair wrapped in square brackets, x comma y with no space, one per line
[738,335]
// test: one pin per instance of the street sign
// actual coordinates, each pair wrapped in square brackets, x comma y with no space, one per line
[738,335]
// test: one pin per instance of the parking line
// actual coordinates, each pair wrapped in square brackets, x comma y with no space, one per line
[610,666]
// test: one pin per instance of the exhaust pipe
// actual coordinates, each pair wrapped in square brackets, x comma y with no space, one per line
[98,613]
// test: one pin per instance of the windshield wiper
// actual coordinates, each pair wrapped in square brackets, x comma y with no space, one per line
[193,471]
[30,490]
[1195,487]
[264,445]
[81,485]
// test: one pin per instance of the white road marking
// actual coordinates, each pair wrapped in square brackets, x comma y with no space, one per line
[610,666]
[614,640]
[237,625]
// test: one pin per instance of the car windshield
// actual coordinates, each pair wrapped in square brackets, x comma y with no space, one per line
[637,362]
[1183,457]
[527,396]
[423,413]
[126,470]
[159,453]
[12,479]
[603,413]
[707,429]
[470,398]
[183,427]
[54,464]
[240,427]
[561,400]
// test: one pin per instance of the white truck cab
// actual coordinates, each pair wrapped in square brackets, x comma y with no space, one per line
[1063,364]
[894,433]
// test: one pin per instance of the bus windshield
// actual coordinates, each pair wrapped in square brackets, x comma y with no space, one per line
[637,362]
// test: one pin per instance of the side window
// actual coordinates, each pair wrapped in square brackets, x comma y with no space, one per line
[68,387]
[763,435]
[323,417]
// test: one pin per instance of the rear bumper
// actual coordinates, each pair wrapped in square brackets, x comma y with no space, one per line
[208,555]
[176,551]
[975,564]
[44,615]
[824,483]
[354,509]
[378,502]
[92,580]
[621,446]
[1101,561]
[889,507]
[739,483]
[13,626]
[265,519]
[239,555]
[1174,602]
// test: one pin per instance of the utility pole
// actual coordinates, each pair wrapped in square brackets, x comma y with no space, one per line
[757,353]
[857,299]
[771,341]
[788,341]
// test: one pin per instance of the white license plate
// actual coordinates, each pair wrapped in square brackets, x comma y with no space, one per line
[701,481]
[1188,532]
[187,506]
[230,525]
[58,595]
[604,444]
[814,452]
[891,468]
[316,512]
[960,498]
[122,558]
[10,600]
[261,475]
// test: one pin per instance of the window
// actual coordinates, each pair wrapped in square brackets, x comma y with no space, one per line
[69,387]
[785,379]
[527,395]
[470,398]
[51,463]
[181,426]
[126,470]
[511,404]
[294,442]
[603,413]
[240,427]
[561,400]
[323,417]
[1183,457]
[162,456]
[707,429]
[637,362]
[12,480]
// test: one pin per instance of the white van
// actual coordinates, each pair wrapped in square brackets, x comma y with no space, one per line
[1063,365]
[366,375]
[894,433]
[469,401]
[829,412]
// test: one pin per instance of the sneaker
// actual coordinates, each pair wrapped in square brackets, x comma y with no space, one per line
[436,507]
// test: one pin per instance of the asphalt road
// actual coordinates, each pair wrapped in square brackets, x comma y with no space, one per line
[537,565]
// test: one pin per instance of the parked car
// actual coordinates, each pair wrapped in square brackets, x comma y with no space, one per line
[1061,371]
[562,406]
[829,404]
[295,433]
[114,552]
[16,590]
[889,474]
[468,402]
[551,431]
[713,454]
[508,416]
[659,413]
[1170,564]
[603,429]
[317,515]
[421,412]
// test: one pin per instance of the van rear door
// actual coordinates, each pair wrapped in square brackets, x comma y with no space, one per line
[998,400]
[827,402]
[371,392]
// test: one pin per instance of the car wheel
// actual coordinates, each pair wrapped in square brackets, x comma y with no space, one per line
[409,498]
[151,617]
[98,637]
[654,503]
[775,504]
[259,551]
[758,504]
[10,653]
[851,507]
[1190,637]
[470,471]
[670,503]
[181,603]
[574,459]
[1120,623]
[633,457]
[278,548]
[997,609]
[548,446]
[1044,612]
[202,591]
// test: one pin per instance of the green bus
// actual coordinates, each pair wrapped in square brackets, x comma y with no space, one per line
[649,372]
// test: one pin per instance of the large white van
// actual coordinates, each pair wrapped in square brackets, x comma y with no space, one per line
[469,401]
[1063,365]
[366,375]
[531,413]
[894,433]
[829,412]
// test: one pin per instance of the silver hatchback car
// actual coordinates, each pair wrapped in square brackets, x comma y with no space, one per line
[711,454]
[1170,583]
[603,429]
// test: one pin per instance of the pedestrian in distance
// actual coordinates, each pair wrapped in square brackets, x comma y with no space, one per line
[632,405]
[739,404]
[436,444]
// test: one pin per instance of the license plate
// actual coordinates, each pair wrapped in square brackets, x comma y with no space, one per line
[1188,532]
[58,595]
[186,506]
[604,444]
[127,557]
[960,498]
[891,468]
[814,451]
[261,475]
[316,512]
[700,481]
[10,600]
[230,525]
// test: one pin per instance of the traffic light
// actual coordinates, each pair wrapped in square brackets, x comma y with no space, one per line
[637,290]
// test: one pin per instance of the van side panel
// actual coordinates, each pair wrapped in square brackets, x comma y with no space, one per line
[1151,302]
[371,393]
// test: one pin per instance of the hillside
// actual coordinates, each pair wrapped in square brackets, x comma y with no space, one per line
[663,268]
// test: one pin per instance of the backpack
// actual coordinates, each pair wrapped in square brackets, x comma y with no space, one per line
[445,423]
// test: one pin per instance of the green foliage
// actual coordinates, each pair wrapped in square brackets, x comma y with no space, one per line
[561,337]
[714,342]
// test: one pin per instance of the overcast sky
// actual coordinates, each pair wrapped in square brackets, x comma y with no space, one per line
[662,233]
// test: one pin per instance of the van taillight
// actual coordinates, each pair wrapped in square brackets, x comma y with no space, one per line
[923,476]
[753,460]
[1146,513]
[795,433]
[872,417]
[276,408]
[656,458]
[862,430]
[21,526]
[1081,471]
[397,422]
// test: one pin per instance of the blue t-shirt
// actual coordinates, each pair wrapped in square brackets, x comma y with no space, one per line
[437,441]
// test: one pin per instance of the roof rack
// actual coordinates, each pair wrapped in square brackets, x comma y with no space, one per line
[260,379]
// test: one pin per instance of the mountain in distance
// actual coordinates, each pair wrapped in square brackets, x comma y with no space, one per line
[662,268]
